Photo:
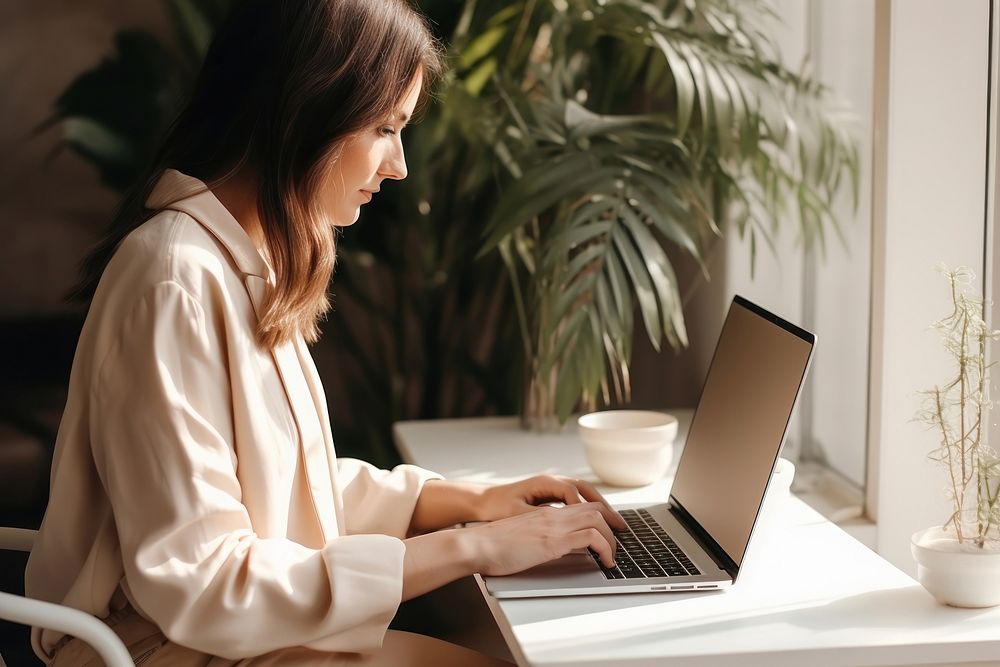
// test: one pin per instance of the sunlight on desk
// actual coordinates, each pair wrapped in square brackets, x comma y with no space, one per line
[807,594]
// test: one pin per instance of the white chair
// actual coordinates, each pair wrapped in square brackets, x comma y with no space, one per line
[55,616]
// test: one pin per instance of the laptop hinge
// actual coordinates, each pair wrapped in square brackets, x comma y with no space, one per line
[703,539]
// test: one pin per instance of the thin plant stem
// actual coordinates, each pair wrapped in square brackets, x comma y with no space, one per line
[957,409]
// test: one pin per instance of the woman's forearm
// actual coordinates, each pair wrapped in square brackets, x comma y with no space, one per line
[443,503]
[436,559]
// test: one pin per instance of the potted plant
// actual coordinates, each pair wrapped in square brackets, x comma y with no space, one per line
[959,561]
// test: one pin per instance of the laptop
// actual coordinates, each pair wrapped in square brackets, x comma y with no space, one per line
[697,540]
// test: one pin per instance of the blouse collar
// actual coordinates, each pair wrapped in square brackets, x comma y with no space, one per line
[180,192]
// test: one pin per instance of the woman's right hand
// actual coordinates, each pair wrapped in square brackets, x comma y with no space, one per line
[519,542]
[507,546]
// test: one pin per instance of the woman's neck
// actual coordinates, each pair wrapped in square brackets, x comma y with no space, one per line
[239,195]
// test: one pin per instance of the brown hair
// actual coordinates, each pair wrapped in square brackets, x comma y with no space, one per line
[284,85]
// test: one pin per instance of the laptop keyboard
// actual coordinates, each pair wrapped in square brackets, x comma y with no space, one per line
[645,550]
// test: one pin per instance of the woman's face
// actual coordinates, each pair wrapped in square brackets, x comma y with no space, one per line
[372,156]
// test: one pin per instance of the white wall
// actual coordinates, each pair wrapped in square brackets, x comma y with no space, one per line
[934,202]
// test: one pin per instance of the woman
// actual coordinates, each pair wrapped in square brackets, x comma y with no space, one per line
[197,503]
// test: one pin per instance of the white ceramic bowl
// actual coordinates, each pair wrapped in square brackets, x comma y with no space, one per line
[628,447]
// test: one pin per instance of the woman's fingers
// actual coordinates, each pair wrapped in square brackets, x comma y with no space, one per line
[524,496]
[519,542]
[570,491]
[593,497]
[588,492]
[590,517]
[593,539]
[550,489]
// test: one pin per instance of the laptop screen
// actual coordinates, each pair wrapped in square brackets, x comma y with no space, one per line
[737,430]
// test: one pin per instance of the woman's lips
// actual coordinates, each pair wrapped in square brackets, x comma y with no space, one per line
[367,195]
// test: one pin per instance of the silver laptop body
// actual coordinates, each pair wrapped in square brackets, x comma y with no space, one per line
[736,434]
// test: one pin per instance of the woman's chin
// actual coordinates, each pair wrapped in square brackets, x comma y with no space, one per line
[344,221]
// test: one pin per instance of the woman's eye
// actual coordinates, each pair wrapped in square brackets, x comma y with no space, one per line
[388,130]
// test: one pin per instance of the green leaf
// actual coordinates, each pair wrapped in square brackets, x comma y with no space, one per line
[586,357]
[583,123]
[567,391]
[570,297]
[541,188]
[606,307]
[742,115]
[481,46]
[193,29]
[656,80]
[683,82]
[97,140]
[723,105]
[653,203]
[522,313]
[509,12]
[557,249]
[566,332]
[660,272]
[585,259]
[525,247]
[598,207]
[618,283]
[644,292]
[701,86]
[475,81]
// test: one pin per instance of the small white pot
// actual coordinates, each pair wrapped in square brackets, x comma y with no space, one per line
[960,575]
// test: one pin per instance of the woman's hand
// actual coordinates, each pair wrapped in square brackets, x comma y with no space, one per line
[507,545]
[444,503]
[505,500]
[523,529]
[519,542]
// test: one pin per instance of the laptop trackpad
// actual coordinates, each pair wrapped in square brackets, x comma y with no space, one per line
[574,570]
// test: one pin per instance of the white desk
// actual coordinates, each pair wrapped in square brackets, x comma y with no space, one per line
[809,593]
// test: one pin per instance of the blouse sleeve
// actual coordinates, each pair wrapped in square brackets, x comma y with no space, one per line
[380,501]
[162,435]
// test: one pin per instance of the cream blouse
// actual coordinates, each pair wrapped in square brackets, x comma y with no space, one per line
[194,472]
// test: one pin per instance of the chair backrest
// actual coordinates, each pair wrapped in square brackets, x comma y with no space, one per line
[55,616]
[17,539]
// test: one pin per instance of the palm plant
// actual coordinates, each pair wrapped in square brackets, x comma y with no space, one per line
[693,123]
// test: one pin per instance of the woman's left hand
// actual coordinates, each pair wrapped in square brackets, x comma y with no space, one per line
[504,500]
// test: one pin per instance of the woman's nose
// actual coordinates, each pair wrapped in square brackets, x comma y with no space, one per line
[395,165]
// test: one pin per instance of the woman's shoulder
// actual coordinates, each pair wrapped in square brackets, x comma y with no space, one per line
[170,247]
